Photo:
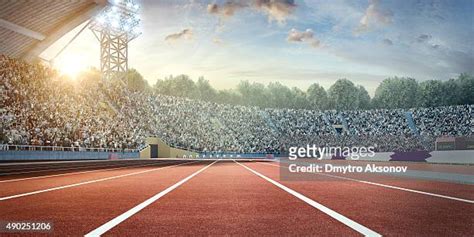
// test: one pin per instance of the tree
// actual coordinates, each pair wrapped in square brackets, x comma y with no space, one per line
[183,86]
[363,98]
[451,92]
[229,97]
[180,86]
[252,94]
[205,91]
[343,95]
[135,81]
[317,97]
[279,96]
[162,87]
[396,93]
[466,88]
[299,100]
[432,94]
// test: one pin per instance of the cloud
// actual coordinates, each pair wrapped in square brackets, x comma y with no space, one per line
[387,41]
[428,41]
[278,10]
[186,34]
[303,36]
[227,9]
[374,15]
[217,41]
[423,37]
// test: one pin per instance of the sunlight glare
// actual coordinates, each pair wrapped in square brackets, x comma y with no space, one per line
[71,65]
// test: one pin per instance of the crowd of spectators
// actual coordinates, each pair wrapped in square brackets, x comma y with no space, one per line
[450,121]
[38,107]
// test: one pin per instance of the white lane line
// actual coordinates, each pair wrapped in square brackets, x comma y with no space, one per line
[395,187]
[124,216]
[87,182]
[80,172]
[344,220]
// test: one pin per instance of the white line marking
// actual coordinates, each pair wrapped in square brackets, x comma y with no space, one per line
[80,172]
[344,220]
[124,216]
[395,187]
[87,182]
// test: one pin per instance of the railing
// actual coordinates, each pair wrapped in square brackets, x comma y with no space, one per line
[8,147]
[412,125]
[142,147]
[185,149]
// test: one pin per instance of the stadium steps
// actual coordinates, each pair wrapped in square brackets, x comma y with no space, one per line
[412,125]
[344,124]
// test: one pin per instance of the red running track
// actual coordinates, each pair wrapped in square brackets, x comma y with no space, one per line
[226,198]
[388,211]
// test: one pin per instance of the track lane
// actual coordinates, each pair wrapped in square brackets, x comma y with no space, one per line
[17,188]
[387,211]
[78,210]
[226,199]
[421,166]
[71,173]
[65,167]
[124,216]
[457,190]
[12,169]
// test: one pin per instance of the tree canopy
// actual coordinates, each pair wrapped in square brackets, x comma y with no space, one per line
[396,92]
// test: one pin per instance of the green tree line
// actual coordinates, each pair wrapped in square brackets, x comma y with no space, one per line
[396,92]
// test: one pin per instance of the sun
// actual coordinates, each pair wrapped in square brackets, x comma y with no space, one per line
[70,65]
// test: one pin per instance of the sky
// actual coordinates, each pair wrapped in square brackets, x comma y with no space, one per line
[294,42]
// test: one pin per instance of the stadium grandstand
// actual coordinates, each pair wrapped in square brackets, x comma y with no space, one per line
[40,109]
[107,154]
[123,119]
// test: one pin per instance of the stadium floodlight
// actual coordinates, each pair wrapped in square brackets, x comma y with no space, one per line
[114,28]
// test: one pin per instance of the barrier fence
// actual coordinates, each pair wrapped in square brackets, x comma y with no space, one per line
[7,147]
[28,152]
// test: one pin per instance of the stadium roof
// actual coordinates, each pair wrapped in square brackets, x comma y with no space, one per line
[29,27]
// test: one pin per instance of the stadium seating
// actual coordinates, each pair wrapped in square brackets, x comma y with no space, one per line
[40,108]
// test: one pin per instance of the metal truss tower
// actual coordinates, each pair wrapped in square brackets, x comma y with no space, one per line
[114,28]
[113,53]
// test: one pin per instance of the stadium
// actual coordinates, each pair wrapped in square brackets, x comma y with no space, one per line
[275,143]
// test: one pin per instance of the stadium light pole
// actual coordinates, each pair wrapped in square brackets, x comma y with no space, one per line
[114,28]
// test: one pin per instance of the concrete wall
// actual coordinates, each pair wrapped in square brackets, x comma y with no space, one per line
[178,153]
[145,153]
[445,157]
[164,150]
[454,157]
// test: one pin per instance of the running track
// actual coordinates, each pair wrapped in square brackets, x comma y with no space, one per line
[151,197]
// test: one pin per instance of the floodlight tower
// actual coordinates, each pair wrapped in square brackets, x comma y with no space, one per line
[114,28]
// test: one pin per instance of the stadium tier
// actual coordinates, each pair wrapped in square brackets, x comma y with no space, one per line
[40,108]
